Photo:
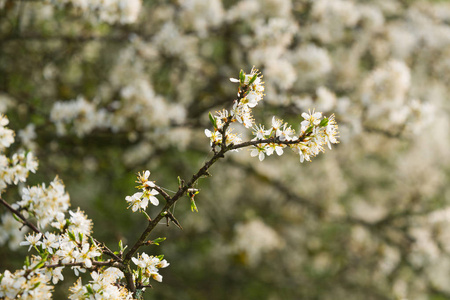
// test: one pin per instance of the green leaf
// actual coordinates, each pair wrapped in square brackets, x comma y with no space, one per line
[324,122]
[241,76]
[36,285]
[139,275]
[71,235]
[17,218]
[90,290]
[39,265]
[213,120]
[160,257]
[27,262]
[193,206]
[253,79]
[310,128]
[158,240]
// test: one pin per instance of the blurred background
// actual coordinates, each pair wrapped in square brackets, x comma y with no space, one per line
[100,90]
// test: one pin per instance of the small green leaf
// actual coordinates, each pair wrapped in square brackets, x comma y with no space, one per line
[89,289]
[213,120]
[193,206]
[160,257]
[39,265]
[71,235]
[17,218]
[253,79]
[36,285]
[139,275]
[158,240]
[27,261]
[241,76]
[310,128]
[324,122]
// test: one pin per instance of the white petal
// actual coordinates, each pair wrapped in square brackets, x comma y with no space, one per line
[261,156]
[154,201]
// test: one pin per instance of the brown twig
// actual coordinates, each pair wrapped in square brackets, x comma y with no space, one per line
[17,213]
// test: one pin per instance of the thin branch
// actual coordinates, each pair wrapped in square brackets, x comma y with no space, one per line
[162,192]
[80,264]
[17,213]
[170,216]
[268,141]
[108,251]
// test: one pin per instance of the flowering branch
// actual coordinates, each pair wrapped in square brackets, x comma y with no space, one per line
[315,131]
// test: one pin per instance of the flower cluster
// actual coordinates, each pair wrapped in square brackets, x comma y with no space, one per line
[102,286]
[316,130]
[44,203]
[72,245]
[148,267]
[139,201]
[25,284]
[15,169]
[251,91]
